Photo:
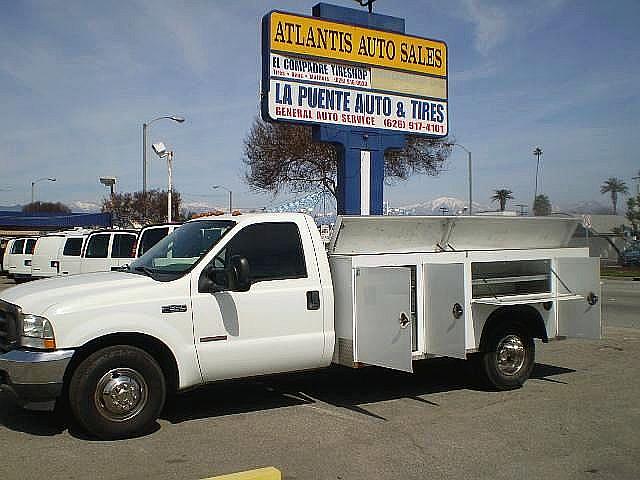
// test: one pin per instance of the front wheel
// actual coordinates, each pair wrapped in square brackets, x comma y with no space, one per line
[117,392]
[508,357]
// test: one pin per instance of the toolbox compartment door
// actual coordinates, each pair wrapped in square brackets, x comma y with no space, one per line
[445,310]
[581,317]
[382,333]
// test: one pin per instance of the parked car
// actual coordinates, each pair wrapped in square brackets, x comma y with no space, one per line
[51,249]
[108,249]
[631,255]
[4,243]
[152,234]
[70,255]
[19,258]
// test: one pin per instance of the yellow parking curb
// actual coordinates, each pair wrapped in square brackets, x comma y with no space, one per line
[267,473]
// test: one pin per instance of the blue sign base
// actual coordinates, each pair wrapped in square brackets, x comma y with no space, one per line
[351,199]
[360,151]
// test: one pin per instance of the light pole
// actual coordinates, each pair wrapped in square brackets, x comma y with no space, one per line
[109,182]
[470,209]
[33,186]
[230,195]
[145,127]
[538,153]
[162,152]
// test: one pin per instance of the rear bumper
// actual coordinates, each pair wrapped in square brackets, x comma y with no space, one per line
[34,377]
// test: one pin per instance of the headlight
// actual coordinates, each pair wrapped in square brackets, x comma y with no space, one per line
[37,332]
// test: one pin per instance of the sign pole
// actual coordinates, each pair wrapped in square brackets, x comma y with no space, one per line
[360,181]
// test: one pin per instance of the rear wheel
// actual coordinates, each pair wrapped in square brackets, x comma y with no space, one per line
[117,392]
[508,357]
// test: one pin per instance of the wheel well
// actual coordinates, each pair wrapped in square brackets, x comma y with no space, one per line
[524,315]
[154,347]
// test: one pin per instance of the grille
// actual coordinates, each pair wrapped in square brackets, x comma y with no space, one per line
[8,326]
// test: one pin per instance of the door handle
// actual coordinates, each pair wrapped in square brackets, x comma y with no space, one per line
[404,320]
[313,300]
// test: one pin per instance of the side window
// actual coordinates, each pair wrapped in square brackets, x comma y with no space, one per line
[150,237]
[123,245]
[18,246]
[98,246]
[72,247]
[274,251]
[31,244]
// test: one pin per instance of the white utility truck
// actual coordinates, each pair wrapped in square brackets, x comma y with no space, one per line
[236,296]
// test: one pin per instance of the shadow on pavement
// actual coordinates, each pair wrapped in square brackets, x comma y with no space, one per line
[338,386]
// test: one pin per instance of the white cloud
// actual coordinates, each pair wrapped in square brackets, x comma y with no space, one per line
[495,21]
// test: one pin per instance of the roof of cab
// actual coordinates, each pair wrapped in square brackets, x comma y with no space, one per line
[246,217]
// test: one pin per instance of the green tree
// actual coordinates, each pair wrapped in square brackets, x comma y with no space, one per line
[541,206]
[46,207]
[283,157]
[633,212]
[501,196]
[128,209]
[614,186]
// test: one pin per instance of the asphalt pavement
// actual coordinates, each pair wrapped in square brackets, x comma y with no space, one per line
[578,417]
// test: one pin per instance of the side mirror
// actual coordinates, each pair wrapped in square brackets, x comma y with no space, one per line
[207,281]
[237,272]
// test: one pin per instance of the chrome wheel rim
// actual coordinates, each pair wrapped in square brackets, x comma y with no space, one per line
[121,394]
[510,355]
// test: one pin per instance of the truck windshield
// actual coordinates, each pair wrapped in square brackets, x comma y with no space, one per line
[178,252]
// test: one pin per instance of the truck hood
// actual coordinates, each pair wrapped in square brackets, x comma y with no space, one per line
[39,296]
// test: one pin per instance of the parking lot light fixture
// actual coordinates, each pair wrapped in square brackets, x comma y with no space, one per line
[230,195]
[33,186]
[145,127]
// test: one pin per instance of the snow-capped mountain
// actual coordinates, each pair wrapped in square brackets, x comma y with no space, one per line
[592,207]
[81,206]
[434,207]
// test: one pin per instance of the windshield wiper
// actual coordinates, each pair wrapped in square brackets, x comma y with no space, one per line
[121,268]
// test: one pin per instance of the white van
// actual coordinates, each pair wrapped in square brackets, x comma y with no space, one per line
[152,234]
[50,251]
[107,249]
[19,261]
[70,254]
[5,248]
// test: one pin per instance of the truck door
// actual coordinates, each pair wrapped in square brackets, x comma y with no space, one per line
[275,326]
[383,317]
[445,310]
[579,317]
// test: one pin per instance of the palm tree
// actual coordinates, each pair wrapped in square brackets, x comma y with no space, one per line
[501,196]
[614,186]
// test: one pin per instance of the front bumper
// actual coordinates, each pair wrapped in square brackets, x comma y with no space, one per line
[34,377]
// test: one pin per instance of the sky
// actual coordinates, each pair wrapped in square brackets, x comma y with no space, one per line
[78,79]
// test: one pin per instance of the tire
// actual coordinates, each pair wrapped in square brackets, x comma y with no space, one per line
[508,357]
[137,390]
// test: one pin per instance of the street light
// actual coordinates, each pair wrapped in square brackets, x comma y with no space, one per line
[538,153]
[33,186]
[162,152]
[145,127]
[230,194]
[109,182]
[470,178]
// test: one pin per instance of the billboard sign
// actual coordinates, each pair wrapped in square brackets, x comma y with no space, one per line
[324,72]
